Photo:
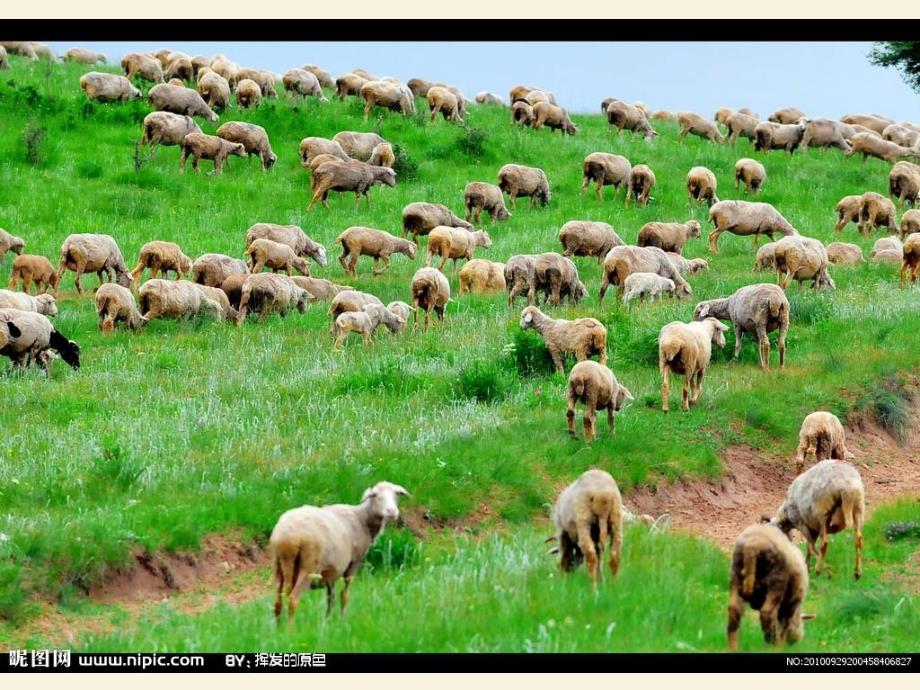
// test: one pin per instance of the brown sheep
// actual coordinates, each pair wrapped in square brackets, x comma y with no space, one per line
[741,125]
[108,88]
[904,182]
[349,85]
[325,79]
[264,79]
[264,252]
[522,114]
[22,48]
[311,147]
[381,94]
[348,176]
[903,136]
[359,241]
[621,261]
[663,116]
[291,235]
[180,100]
[252,137]
[454,243]
[595,386]
[848,210]
[10,243]
[588,238]
[161,256]
[844,254]
[625,116]
[768,135]
[441,100]
[143,66]
[888,250]
[910,223]
[382,156]
[303,83]
[641,181]
[751,173]
[115,303]
[267,293]
[482,196]
[358,145]
[430,291]
[213,269]
[876,211]
[554,117]
[802,258]
[480,276]
[821,437]
[671,237]
[701,186]
[349,300]
[605,169]
[686,348]
[557,277]
[87,57]
[320,288]
[519,92]
[487,98]
[215,90]
[873,145]
[825,133]
[167,129]
[745,218]
[92,253]
[248,94]
[582,338]
[29,268]
[520,278]
[233,288]
[181,69]
[787,116]
[520,180]
[911,261]
[693,123]
[420,218]
[876,123]
[199,145]
[419,87]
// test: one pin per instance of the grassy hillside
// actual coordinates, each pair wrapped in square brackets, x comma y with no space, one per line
[195,428]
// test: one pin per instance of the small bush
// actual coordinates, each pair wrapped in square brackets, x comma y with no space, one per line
[483,381]
[472,141]
[405,166]
[12,593]
[528,353]
[895,531]
[89,169]
[116,468]
[34,139]
[888,404]
[394,549]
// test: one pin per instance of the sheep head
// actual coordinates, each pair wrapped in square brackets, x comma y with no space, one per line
[623,396]
[483,239]
[382,499]
[235,149]
[46,305]
[527,317]
[319,255]
[718,331]
[693,228]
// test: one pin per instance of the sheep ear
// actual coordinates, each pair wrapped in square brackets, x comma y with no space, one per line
[528,317]
[765,519]
[400,491]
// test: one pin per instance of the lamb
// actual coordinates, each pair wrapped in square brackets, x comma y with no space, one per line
[175,299]
[902,136]
[821,436]
[10,243]
[349,85]
[766,257]
[769,573]
[215,90]
[888,250]
[671,237]
[213,269]
[686,348]
[454,243]
[325,79]
[366,323]
[910,223]
[760,308]
[787,116]
[480,276]
[520,180]
[625,116]
[291,235]
[349,300]
[382,155]
[482,196]
[641,285]
[387,95]
[253,138]
[554,117]
[826,133]
[264,79]
[522,114]
[32,267]
[876,211]
[904,182]
[115,303]
[769,135]
[108,88]
[360,241]
[875,146]
[82,55]
[264,252]
[161,256]
[420,218]
[876,123]
[826,499]
[586,512]
[744,218]
[311,147]
[40,304]
[199,145]
[693,123]
[180,100]
[605,169]
[487,98]
[701,186]
[520,278]
[401,309]
[314,546]
[848,210]
[92,253]
[588,238]
[911,260]
[167,129]
[844,254]
[557,277]
[27,336]
[687,266]
[358,145]
[320,288]
[303,83]
[751,173]
[142,65]
[348,176]
[595,386]
[268,293]
[802,258]
[621,261]
[430,291]
[741,125]
[581,338]
[641,181]
[441,100]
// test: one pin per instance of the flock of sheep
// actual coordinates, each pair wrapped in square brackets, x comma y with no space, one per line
[315,546]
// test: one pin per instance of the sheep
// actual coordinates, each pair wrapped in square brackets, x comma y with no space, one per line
[167,129]
[253,138]
[482,196]
[751,173]
[358,145]
[557,277]
[264,252]
[322,76]
[88,253]
[41,304]
[748,111]
[522,114]
[844,254]
[348,176]
[826,133]
[175,299]
[605,169]
[291,235]
[108,88]
[199,145]
[224,67]
[349,84]
[787,116]
[686,348]
[888,250]
[848,210]
[693,123]
[320,288]
[641,285]
[802,258]
[741,125]
[581,338]
[10,243]
[910,223]
[520,180]
[142,65]
[430,291]
[595,386]
[364,74]
[876,123]
[520,278]
[32,267]
[721,116]
[745,218]
[21,48]
[487,98]
[454,243]
[621,261]
[248,94]
[554,117]
[264,79]
[671,237]
[87,57]
[586,512]
[902,136]
[365,322]
[904,182]
[175,82]
[349,300]
[311,147]
[303,83]
[387,95]
[213,269]
[215,90]
[519,92]
[768,572]
[115,303]
[419,87]
[876,211]
[440,100]
[161,256]
[766,257]
[625,116]
[382,155]
[27,336]
[268,293]
[4,60]
[873,145]
[827,498]
[641,181]
[768,135]
[911,260]
[401,309]
[420,218]
[314,546]
[760,308]
[821,436]
[480,276]
[360,241]
[664,116]
[687,266]
[199,63]
[180,100]
[537,96]
[701,186]
[588,238]
[181,69]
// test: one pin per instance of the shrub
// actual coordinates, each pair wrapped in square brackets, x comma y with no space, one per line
[472,141]
[888,404]
[34,139]
[482,380]
[405,166]
[394,549]
[528,353]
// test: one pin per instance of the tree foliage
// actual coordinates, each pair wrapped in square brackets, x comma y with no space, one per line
[905,55]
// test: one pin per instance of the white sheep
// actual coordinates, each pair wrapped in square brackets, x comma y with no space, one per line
[651,285]
[41,304]
[686,348]
[581,337]
[365,322]
[823,437]
[595,386]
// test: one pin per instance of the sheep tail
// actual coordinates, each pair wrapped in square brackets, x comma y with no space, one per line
[338,240]
[749,571]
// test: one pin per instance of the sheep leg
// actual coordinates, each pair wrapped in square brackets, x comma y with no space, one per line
[352,268]
[735,607]
[769,622]
[605,283]
[610,420]
[763,345]
[615,526]
[557,360]
[665,387]
[444,261]
[570,416]
[857,519]
[713,240]
[822,553]
[344,596]
[598,190]
[80,268]
[340,338]
[182,159]
[685,395]
[586,544]
[27,285]
[386,264]
[697,386]
[588,421]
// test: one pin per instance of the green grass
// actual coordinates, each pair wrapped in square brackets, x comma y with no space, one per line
[195,428]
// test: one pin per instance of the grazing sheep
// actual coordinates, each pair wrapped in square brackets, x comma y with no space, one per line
[760,309]
[167,129]
[768,135]
[303,83]
[520,278]
[848,210]
[41,304]
[320,288]
[663,115]
[595,386]
[264,79]
[641,285]
[876,211]
[311,147]
[605,169]
[215,90]
[588,238]
[487,98]
[911,260]
[268,293]
[826,499]
[84,56]
[910,223]
[291,235]
[844,254]
[315,546]
[822,437]
[876,123]
[176,82]
[641,181]
[686,348]
[621,261]
[419,87]
[248,94]
[32,267]
[180,100]
[199,63]
[358,145]
[232,287]
[365,322]
[520,180]
[766,257]
[430,291]
[199,145]
[348,176]
[480,276]
[519,92]
[537,96]
[693,123]
[10,243]
[624,116]
[741,125]
[769,573]
[161,256]
[904,182]
[225,67]
[175,299]
[751,173]
[441,100]
[349,300]
[27,336]
[802,258]
[115,303]
[381,94]
[349,85]
[671,237]
[557,277]
[4,60]
[554,117]
[253,138]
[213,269]
[687,266]
[181,69]
[581,338]
[420,218]
[887,250]
[902,136]
[382,155]
[522,114]
[744,218]
[701,186]
[92,253]
[873,145]
[360,241]
[787,116]
[482,196]
[454,243]
[22,48]
[586,512]
[322,76]
[401,309]
[143,66]
[108,88]
[264,252]
[721,116]
[825,133]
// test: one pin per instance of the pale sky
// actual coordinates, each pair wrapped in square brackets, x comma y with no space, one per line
[821,78]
